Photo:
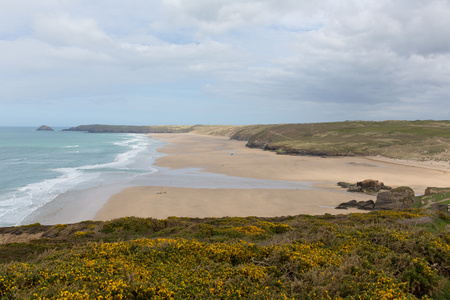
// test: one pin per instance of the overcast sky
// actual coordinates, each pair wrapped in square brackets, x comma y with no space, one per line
[150,62]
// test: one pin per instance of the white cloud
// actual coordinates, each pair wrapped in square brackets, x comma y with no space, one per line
[373,54]
[220,17]
[363,53]
[64,31]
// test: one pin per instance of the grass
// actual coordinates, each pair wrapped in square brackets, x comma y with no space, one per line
[397,139]
[378,255]
[425,201]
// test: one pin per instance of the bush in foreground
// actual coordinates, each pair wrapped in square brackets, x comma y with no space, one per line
[379,255]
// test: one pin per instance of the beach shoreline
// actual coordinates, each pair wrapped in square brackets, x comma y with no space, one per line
[219,155]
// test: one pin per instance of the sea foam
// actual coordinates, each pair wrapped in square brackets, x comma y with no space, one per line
[17,202]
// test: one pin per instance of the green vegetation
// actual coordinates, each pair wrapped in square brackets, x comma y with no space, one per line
[396,139]
[436,190]
[378,255]
[420,140]
[426,201]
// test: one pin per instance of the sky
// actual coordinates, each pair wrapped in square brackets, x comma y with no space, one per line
[172,62]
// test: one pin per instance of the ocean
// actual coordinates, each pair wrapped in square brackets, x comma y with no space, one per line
[37,166]
[58,176]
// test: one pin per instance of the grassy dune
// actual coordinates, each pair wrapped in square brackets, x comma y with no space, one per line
[378,255]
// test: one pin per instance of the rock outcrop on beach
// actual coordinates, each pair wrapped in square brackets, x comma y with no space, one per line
[45,128]
[365,186]
[364,205]
[398,198]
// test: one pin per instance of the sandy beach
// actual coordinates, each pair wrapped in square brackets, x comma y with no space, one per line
[219,155]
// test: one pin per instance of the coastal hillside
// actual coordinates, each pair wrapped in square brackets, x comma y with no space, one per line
[378,255]
[419,140]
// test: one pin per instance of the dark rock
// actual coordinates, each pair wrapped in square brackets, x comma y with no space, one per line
[45,128]
[365,186]
[351,203]
[344,185]
[257,144]
[354,189]
[370,185]
[398,198]
[341,207]
[365,205]
[385,200]
[385,187]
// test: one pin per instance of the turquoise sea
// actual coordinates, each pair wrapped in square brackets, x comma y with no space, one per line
[37,166]
[66,177]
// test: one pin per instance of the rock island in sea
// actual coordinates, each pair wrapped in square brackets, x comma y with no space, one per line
[45,128]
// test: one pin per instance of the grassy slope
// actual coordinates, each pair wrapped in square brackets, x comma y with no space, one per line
[379,255]
[396,139]
[426,201]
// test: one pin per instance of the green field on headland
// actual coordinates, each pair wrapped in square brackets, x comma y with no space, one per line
[378,255]
[419,140]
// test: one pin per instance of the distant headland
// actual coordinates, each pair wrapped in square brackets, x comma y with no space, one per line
[417,140]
